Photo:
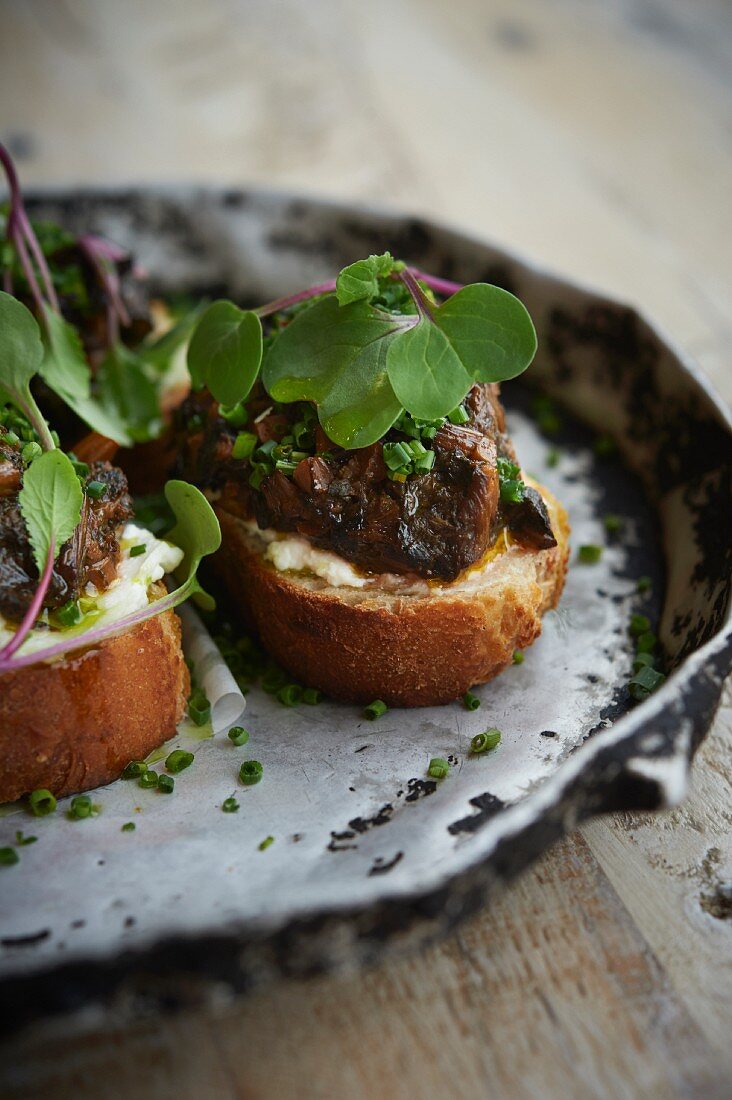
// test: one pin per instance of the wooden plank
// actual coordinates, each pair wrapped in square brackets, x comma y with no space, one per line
[551,992]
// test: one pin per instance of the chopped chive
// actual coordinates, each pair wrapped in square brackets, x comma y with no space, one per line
[613,523]
[290,695]
[134,769]
[375,710]
[31,451]
[512,491]
[639,624]
[273,679]
[238,735]
[642,660]
[250,772]
[148,780]
[589,554]
[230,806]
[518,657]
[484,742]
[96,490]
[459,415]
[645,681]
[604,446]
[264,844]
[312,696]
[470,701]
[8,856]
[128,827]
[135,551]
[236,415]
[438,768]
[552,457]
[42,802]
[166,784]
[644,584]
[178,760]
[22,840]
[244,445]
[647,642]
[70,614]
[199,708]
[81,807]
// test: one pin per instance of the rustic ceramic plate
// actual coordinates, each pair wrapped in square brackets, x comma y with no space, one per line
[369,855]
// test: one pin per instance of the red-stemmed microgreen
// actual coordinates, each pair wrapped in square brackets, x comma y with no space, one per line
[196,532]
[34,610]
[359,357]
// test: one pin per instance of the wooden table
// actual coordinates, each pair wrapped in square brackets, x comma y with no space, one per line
[594,137]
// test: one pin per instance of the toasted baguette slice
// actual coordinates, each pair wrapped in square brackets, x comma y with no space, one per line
[408,649]
[74,724]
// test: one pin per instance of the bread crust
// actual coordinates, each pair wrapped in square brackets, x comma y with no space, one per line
[408,649]
[74,724]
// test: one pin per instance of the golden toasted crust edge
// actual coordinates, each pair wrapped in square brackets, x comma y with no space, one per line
[74,724]
[409,650]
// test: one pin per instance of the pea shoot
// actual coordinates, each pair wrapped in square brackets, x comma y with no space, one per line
[486,741]
[375,710]
[438,768]
[250,772]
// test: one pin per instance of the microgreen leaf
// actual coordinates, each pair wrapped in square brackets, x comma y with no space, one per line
[21,352]
[225,352]
[158,353]
[481,334]
[426,372]
[491,331]
[361,280]
[336,356]
[50,502]
[64,368]
[127,395]
[196,532]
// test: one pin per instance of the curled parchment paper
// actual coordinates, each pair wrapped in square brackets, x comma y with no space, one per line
[212,672]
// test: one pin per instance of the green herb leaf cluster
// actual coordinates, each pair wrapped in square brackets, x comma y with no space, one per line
[364,365]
